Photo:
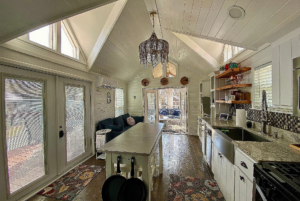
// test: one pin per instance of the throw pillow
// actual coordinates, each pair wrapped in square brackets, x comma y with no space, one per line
[124,117]
[114,127]
[130,121]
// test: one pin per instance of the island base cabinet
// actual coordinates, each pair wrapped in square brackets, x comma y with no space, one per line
[243,186]
[224,173]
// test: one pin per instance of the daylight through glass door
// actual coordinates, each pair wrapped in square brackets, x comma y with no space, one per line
[75,117]
[24,131]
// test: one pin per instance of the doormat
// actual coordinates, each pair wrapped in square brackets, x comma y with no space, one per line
[192,188]
[72,183]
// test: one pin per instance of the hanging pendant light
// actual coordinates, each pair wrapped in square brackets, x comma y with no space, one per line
[154,50]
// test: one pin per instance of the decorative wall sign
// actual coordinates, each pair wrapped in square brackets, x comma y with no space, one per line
[164,81]
[108,98]
[145,82]
[184,80]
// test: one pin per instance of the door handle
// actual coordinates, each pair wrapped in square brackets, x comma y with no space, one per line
[61,133]
[242,178]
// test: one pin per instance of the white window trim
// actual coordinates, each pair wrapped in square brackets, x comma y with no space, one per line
[55,39]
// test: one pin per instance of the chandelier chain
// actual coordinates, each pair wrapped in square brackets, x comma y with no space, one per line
[162,36]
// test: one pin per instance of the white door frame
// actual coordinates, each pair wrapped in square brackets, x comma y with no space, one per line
[63,165]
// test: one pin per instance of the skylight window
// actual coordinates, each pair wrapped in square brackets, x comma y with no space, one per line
[41,36]
[230,51]
[67,46]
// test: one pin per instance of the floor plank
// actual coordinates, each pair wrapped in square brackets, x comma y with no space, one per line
[182,155]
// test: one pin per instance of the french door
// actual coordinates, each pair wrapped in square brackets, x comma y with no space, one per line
[45,127]
[151,106]
[74,142]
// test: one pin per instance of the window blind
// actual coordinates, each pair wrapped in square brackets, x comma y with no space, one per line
[119,102]
[263,81]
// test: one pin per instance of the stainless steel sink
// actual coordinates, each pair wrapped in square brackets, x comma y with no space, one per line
[222,138]
[239,134]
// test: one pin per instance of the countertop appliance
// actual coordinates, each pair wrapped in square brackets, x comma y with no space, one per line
[277,181]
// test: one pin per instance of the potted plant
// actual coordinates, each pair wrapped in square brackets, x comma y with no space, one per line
[222,69]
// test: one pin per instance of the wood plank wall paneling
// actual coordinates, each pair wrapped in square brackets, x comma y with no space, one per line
[134,87]
[104,110]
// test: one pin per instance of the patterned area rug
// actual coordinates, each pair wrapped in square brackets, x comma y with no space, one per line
[70,185]
[193,189]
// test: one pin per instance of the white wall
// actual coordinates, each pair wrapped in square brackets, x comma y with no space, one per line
[135,106]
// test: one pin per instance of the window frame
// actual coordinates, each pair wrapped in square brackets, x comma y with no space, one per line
[164,71]
[123,106]
[52,35]
[70,35]
[254,88]
[55,42]
[232,51]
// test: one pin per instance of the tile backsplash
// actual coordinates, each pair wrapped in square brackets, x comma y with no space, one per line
[279,120]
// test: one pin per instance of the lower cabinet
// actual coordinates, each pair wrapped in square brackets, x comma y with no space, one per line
[243,186]
[224,173]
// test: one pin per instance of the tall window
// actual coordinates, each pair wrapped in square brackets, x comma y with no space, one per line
[263,81]
[67,45]
[119,102]
[230,51]
[42,36]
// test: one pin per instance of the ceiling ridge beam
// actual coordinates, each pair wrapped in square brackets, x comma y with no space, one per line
[109,25]
[213,39]
[199,50]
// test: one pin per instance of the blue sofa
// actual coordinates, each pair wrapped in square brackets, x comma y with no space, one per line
[118,125]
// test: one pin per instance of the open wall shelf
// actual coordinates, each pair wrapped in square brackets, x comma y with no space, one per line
[234,102]
[233,71]
[234,86]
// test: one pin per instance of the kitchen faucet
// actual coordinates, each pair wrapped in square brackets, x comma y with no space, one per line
[264,112]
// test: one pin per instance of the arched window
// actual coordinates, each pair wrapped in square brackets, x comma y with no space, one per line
[170,70]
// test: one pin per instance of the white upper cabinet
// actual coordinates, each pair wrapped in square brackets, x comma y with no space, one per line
[283,53]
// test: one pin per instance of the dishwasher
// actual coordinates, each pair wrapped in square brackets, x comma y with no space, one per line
[208,146]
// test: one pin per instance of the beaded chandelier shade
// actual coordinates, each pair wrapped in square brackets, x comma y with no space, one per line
[154,50]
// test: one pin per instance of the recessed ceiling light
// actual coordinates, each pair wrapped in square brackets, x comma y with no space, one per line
[236,12]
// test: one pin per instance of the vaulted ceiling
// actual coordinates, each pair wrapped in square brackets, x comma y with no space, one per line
[195,29]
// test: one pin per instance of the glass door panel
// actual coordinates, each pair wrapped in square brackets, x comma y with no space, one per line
[151,106]
[74,121]
[24,131]
[74,138]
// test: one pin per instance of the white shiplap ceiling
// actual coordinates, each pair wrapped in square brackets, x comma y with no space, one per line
[119,56]
[17,17]
[209,19]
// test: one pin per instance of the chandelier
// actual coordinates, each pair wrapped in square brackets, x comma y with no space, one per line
[153,50]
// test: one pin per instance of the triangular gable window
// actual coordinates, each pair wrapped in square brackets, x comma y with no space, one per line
[67,46]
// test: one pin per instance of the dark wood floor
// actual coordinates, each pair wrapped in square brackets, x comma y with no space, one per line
[182,155]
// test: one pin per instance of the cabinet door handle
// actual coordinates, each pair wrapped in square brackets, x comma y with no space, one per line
[242,178]
[243,164]
[220,155]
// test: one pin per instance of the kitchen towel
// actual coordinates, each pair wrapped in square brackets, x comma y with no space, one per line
[240,117]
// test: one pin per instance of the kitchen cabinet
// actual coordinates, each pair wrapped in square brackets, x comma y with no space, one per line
[202,138]
[243,186]
[282,74]
[224,173]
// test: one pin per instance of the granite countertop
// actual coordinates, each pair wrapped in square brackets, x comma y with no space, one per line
[276,150]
